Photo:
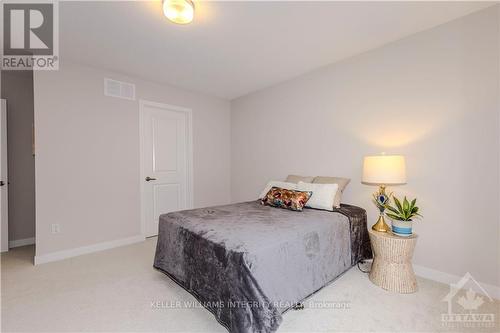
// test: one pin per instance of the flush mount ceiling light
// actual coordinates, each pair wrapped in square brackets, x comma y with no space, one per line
[179,11]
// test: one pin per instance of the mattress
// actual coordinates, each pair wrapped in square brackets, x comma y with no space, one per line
[248,263]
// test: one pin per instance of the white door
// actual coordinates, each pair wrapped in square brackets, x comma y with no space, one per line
[4,238]
[166,162]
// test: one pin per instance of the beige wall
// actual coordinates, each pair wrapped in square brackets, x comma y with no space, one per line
[87,155]
[432,97]
[17,89]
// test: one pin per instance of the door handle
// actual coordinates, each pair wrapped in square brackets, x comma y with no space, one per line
[148,179]
[2,183]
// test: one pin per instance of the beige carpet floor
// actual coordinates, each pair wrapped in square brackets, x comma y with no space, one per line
[118,290]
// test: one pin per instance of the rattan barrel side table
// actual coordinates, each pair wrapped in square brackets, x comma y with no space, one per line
[392,269]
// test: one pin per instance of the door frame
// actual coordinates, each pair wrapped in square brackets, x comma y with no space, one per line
[4,210]
[189,153]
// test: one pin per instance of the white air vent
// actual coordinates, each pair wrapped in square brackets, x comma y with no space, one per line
[119,89]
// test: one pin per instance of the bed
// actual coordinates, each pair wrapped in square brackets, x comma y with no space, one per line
[248,263]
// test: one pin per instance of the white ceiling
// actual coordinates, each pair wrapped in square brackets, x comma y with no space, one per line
[234,48]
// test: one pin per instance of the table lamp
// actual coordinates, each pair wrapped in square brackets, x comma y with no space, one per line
[383,170]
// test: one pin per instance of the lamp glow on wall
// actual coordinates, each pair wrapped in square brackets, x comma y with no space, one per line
[383,170]
[179,11]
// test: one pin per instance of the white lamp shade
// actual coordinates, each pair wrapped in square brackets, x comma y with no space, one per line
[384,170]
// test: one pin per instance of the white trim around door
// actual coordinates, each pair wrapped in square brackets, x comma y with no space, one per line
[4,193]
[189,153]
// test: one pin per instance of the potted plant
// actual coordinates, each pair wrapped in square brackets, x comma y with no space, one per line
[402,215]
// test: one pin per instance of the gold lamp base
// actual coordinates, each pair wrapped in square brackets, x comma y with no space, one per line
[381,226]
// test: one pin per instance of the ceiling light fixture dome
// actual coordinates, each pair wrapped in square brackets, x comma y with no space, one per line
[179,11]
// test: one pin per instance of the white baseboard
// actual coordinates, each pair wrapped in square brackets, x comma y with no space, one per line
[22,242]
[432,274]
[59,255]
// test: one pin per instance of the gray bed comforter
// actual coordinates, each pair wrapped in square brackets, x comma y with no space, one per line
[248,263]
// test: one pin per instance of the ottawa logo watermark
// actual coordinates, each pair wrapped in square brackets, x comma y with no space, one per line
[465,302]
[30,35]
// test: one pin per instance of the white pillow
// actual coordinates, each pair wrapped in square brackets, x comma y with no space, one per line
[322,194]
[276,183]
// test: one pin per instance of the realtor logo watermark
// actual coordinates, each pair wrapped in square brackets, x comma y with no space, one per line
[30,35]
[465,302]
[178,304]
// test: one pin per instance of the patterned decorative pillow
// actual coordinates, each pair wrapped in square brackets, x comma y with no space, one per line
[288,199]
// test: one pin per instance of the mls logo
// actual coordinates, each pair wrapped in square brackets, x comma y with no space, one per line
[465,301]
[29,35]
